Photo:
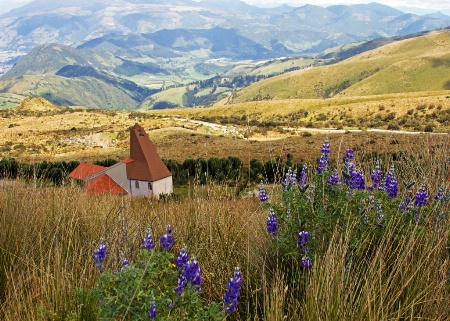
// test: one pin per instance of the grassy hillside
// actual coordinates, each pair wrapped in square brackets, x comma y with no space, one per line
[172,96]
[418,64]
[259,130]
[86,91]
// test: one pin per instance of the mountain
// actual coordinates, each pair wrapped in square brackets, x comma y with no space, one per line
[115,54]
[308,28]
[67,76]
[410,65]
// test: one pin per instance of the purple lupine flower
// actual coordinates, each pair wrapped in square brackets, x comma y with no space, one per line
[439,193]
[303,178]
[307,263]
[333,180]
[100,255]
[348,166]
[391,183]
[290,180]
[167,240]
[181,283]
[125,262]
[326,147]
[262,193]
[230,297]
[406,205]
[375,176]
[192,273]
[147,241]
[356,180]
[182,258]
[272,223]
[151,313]
[421,198]
[323,161]
[349,156]
[303,239]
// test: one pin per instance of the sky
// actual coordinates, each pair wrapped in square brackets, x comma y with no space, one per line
[430,5]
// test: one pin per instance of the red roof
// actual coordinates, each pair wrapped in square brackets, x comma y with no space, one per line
[146,165]
[104,185]
[85,170]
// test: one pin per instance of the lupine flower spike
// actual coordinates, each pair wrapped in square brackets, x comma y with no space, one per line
[182,258]
[356,180]
[421,198]
[290,180]
[353,178]
[193,272]
[147,241]
[391,183]
[303,179]
[262,193]
[272,223]
[151,314]
[376,176]
[348,165]
[181,283]
[439,194]
[100,255]
[349,156]
[323,161]
[307,263]
[406,205]
[167,240]
[333,180]
[303,239]
[125,262]
[230,298]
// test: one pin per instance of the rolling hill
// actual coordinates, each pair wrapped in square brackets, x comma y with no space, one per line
[73,77]
[411,65]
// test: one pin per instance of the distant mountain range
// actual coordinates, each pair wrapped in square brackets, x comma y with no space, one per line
[115,54]
[287,29]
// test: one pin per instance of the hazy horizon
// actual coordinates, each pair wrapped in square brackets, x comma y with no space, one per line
[412,6]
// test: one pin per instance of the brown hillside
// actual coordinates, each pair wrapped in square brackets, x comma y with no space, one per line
[37,104]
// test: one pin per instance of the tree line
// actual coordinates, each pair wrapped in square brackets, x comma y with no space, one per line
[229,170]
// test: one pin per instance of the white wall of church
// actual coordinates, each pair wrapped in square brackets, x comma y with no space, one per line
[140,188]
[163,186]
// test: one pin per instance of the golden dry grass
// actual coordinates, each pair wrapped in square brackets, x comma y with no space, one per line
[50,234]
[87,135]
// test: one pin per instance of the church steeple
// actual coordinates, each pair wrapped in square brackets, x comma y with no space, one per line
[146,164]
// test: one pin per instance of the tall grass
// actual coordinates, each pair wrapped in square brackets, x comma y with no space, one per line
[48,237]
[399,272]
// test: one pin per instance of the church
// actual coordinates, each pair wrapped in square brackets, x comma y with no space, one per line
[142,174]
